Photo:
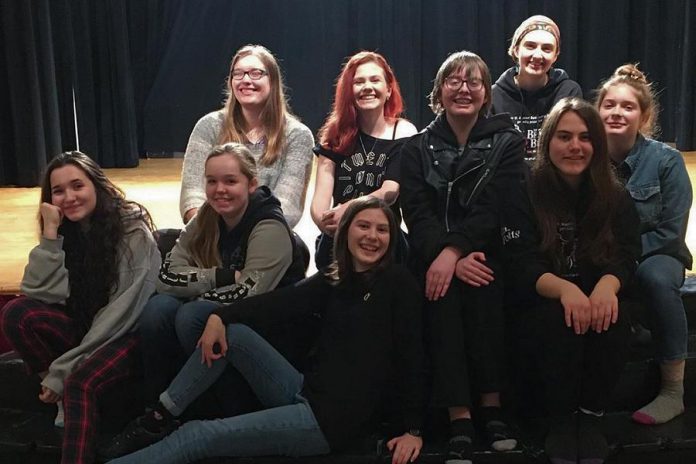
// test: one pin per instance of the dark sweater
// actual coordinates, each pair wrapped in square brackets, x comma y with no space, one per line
[529,109]
[370,334]
[526,263]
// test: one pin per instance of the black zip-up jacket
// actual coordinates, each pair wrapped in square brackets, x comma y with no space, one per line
[529,109]
[449,194]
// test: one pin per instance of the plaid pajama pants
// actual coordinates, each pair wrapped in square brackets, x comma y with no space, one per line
[40,333]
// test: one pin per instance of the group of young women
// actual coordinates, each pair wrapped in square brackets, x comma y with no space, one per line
[602,215]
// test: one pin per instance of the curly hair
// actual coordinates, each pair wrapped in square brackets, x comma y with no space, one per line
[341,127]
[600,189]
[92,252]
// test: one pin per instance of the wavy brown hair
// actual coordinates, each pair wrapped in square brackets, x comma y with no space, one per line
[600,191]
[92,253]
[203,247]
[273,116]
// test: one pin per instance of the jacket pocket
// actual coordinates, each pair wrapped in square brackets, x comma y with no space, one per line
[648,200]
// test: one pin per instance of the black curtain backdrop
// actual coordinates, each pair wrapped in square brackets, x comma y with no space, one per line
[143,71]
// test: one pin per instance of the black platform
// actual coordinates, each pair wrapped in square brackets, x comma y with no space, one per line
[27,434]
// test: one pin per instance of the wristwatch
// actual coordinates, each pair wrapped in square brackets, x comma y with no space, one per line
[414,432]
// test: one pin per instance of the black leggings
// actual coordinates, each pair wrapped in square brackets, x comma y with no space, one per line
[579,370]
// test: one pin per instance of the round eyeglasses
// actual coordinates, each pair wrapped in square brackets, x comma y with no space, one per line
[455,83]
[254,74]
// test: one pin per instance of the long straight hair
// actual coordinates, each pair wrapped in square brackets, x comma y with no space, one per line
[274,114]
[342,269]
[203,247]
[551,196]
[341,127]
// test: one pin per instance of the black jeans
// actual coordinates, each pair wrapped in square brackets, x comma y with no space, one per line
[466,342]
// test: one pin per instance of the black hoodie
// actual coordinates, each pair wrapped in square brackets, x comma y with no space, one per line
[449,193]
[529,109]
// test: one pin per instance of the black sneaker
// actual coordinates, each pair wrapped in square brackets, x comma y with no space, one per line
[460,450]
[133,438]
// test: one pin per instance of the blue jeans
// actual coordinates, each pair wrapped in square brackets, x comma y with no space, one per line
[660,277]
[170,329]
[286,427]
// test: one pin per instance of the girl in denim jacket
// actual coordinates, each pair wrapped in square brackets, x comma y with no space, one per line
[656,178]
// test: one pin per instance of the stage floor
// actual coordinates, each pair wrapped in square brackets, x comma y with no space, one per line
[155,184]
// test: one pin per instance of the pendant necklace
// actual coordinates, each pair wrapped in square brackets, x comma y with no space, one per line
[371,154]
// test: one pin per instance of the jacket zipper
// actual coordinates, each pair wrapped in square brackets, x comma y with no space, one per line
[449,191]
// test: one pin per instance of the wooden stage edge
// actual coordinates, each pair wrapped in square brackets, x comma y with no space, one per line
[155,184]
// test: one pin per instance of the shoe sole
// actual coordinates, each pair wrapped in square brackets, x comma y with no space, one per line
[504,445]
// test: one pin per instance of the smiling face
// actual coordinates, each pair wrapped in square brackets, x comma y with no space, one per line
[464,102]
[73,192]
[368,238]
[621,113]
[249,92]
[536,53]
[227,189]
[570,148]
[370,88]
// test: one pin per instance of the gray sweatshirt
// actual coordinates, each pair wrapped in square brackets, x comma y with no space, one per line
[46,280]
[287,177]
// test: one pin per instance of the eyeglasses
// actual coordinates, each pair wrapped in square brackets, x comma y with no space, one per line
[455,83]
[254,74]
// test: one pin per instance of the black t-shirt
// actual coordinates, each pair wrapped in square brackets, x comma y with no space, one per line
[373,161]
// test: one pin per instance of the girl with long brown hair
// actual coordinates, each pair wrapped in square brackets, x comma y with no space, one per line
[575,241]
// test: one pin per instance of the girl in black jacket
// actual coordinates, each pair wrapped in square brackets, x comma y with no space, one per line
[575,241]
[369,346]
[452,175]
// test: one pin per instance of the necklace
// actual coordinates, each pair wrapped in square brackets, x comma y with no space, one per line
[371,153]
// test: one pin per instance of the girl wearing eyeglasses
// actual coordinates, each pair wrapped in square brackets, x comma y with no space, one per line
[358,147]
[255,114]
[528,90]
[452,176]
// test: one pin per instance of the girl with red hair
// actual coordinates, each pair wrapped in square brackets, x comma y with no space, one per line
[358,145]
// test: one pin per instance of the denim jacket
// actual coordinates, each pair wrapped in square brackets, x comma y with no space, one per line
[658,182]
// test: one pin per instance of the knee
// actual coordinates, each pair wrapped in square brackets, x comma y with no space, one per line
[660,276]
[240,335]
[190,321]
[15,315]
[158,315]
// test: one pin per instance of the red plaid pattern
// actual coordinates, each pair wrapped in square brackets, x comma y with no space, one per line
[40,333]
[106,368]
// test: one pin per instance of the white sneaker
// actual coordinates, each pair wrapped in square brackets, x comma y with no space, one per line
[60,417]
